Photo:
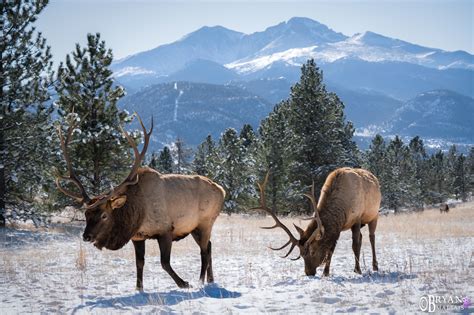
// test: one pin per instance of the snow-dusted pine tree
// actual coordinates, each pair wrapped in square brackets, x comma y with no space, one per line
[85,87]
[320,139]
[25,74]
[273,156]
[181,154]
[205,159]
[162,162]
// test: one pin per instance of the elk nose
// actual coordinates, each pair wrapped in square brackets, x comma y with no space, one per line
[86,237]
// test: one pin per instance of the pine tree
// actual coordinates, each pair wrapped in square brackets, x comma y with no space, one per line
[25,74]
[85,87]
[470,170]
[205,160]
[165,161]
[396,188]
[437,178]
[375,157]
[231,169]
[461,179]
[320,140]
[273,157]
[450,165]
[181,155]
[419,182]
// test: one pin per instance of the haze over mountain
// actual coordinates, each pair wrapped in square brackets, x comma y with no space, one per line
[371,73]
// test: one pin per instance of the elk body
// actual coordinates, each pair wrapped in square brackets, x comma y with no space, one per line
[350,198]
[150,205]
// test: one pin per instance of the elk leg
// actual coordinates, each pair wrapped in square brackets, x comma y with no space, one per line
[204,244]
[372,226]
[165,242]
[356,240]
[140,262]
[210,275]
[328,261]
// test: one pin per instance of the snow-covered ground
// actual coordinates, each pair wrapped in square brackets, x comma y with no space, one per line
[419,254]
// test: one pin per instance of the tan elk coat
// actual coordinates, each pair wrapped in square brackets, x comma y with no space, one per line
[169,203]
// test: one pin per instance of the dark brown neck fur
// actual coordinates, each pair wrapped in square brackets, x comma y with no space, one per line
[127,221]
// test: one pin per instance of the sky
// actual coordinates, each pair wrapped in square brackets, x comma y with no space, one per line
[129,27]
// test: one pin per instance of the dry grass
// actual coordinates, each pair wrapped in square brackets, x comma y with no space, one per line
[81,261]
[430,224]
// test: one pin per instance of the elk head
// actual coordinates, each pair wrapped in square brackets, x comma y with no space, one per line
[310,241]
[100,219]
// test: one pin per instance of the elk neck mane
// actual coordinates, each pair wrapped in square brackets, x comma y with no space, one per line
[127,221]
[331,212]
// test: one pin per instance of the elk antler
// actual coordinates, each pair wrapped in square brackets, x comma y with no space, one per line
[83,198]
[294,242]
[319,232]
[132,177]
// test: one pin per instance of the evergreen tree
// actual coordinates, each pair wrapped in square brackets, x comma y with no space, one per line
[181,155]
[231,169]
[25,74]
[419,182]
[461,179]
[247,136]
[85,87]
[205,160]
[470,170]
[165,161]
[320,140]
[375,157]
[396,188]
[437,178]
[272,156]
[450,164]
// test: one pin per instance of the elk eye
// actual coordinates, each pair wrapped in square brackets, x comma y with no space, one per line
[104,216]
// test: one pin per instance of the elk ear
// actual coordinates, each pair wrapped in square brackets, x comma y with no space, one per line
[118,202]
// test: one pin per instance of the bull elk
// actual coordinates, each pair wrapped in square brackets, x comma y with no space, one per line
[350,199]
[149,205]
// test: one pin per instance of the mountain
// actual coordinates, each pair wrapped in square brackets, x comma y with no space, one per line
[203,71]
[367,61]
[369,46]
[191,111]
[436,114]
[216,44]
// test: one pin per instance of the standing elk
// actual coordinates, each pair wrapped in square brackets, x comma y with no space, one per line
[350,198]
[149,205]
[444,208]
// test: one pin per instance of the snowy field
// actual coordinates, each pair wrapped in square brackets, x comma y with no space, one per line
[419,254]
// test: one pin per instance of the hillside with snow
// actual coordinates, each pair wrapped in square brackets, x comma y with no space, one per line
[191,111]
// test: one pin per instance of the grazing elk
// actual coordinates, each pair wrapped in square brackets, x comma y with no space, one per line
[350,198]
[149,205]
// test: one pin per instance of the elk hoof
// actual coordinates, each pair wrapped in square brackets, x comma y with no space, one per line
[375,267]
[139,289]
[184,285]
[357,270]
[326,273]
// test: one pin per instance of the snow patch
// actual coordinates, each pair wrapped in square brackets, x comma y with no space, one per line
[132,71]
